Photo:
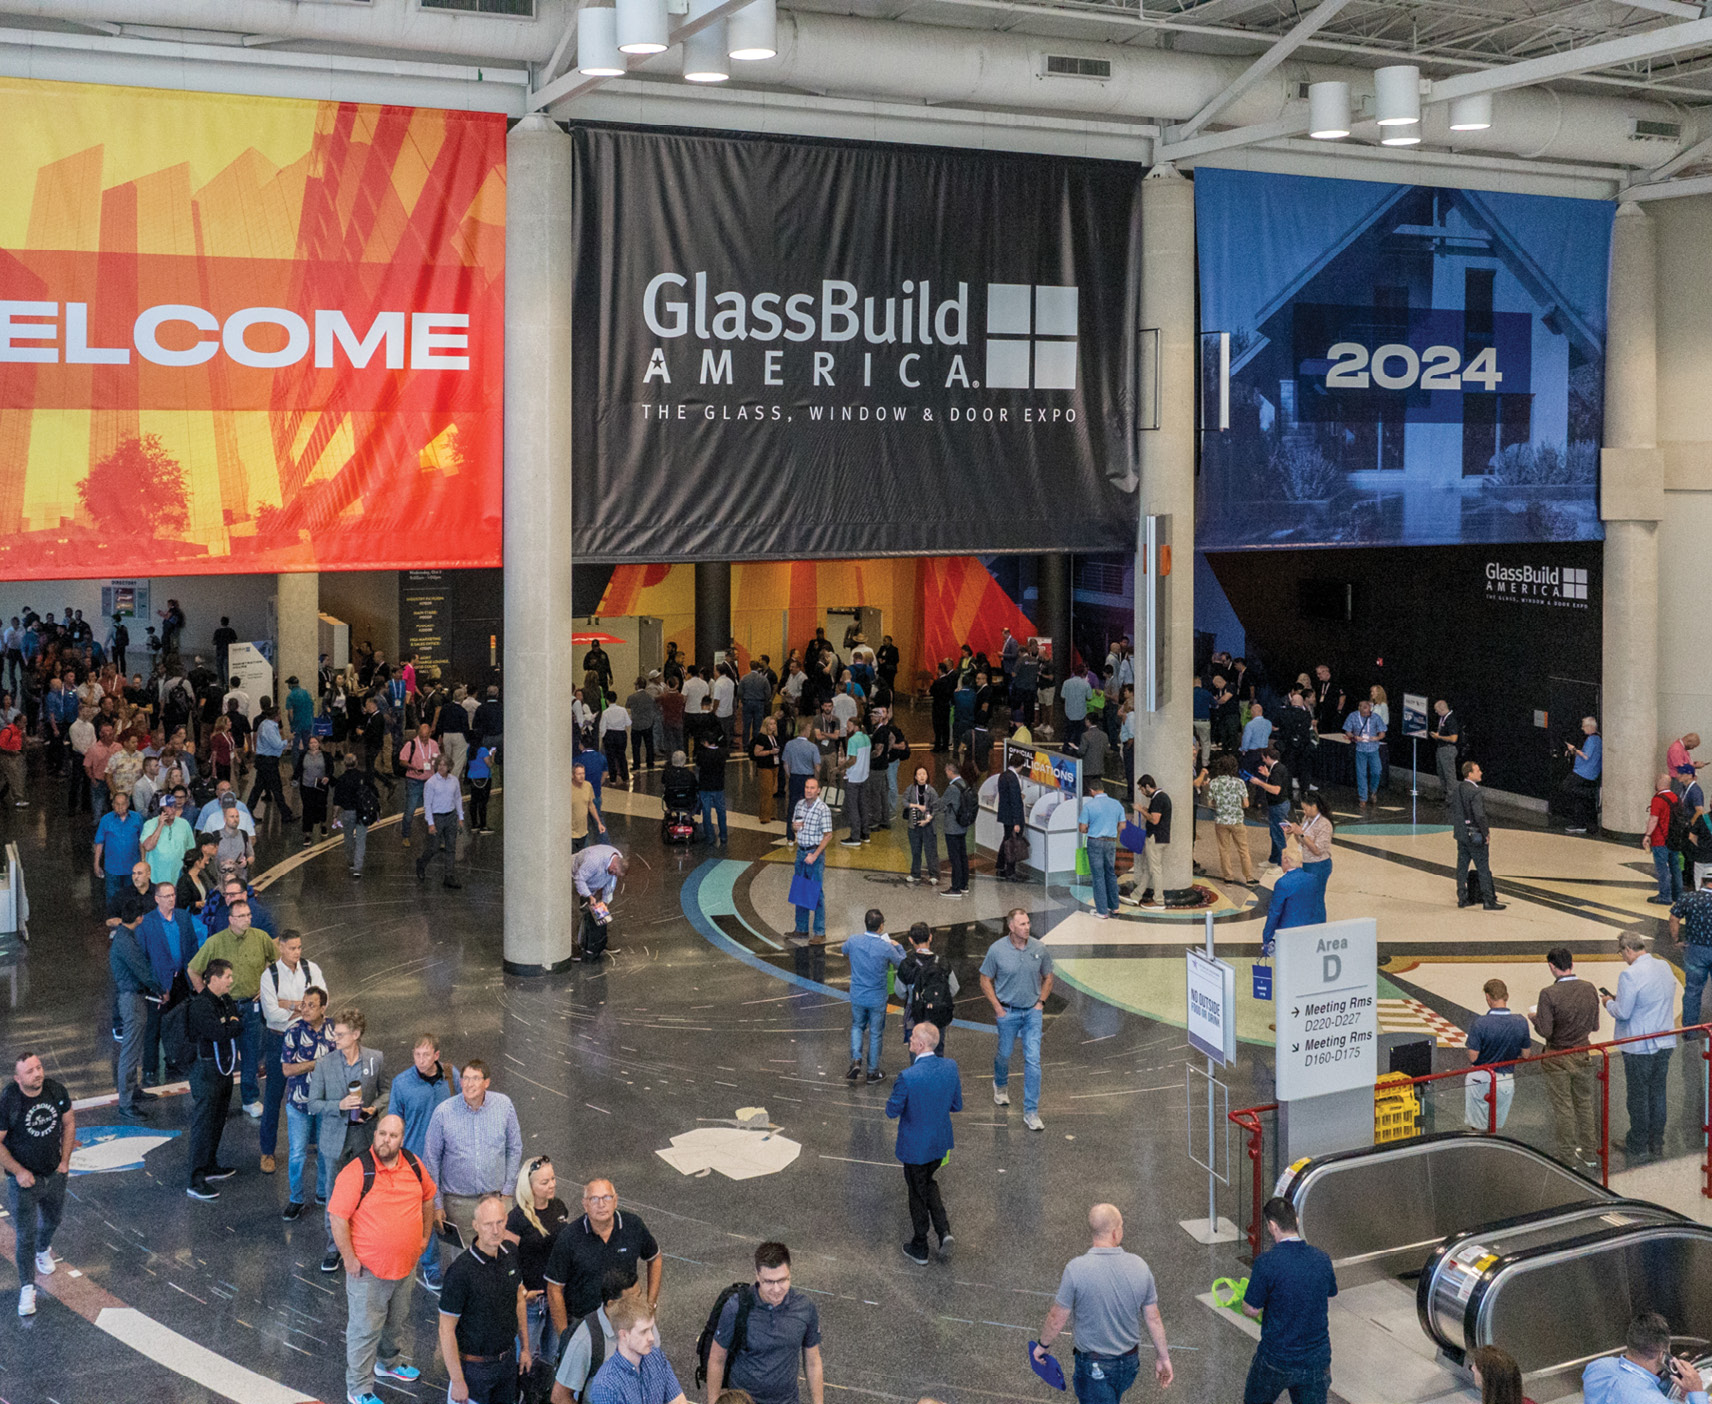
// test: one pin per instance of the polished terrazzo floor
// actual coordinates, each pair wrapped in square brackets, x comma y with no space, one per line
[706,1007]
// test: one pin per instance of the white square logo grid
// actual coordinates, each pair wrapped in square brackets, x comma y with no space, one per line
[1574,584]
[1024,310]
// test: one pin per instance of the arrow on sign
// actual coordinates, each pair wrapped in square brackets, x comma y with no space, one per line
[1295,1048]
[1294,1013]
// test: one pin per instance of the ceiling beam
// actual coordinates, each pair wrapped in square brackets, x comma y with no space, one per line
[1237,136]
[1632,48]
[1209,11]
[574,84]
[1669,189]
[1305,28]
[1668,7]
[1681,161]
[551,71]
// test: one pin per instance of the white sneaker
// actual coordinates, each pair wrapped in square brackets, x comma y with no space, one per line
[45,1263]
[1033,1122]
[253,1110]
[27,1301]
[1001,1098]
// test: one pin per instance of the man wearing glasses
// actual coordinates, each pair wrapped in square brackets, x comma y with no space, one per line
[586,1247]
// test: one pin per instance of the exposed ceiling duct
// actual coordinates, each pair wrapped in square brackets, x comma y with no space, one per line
[911,63]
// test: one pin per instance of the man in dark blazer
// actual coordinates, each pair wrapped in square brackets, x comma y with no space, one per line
[1012,815]
[923,1098]
[1473,835]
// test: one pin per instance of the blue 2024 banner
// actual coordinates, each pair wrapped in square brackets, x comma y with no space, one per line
[1407,364]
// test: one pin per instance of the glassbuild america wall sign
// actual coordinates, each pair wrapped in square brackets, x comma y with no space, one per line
[789,348]
[1408,364]
[247,334]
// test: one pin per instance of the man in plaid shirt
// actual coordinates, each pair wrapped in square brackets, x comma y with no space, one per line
[811,820]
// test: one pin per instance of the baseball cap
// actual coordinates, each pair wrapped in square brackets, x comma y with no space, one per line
[168,799]
[228,801]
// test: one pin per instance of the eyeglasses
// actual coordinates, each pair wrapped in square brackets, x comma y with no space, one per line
[599,1198]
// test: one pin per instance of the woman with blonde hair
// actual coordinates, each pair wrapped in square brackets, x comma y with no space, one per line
[533,1224]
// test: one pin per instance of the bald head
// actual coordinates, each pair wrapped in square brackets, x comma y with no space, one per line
[1106,1225]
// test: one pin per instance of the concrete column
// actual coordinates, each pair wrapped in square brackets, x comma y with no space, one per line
[1053,616]
[712,610]
[1631,501]
[540,920]
[297,612]
[1162,738]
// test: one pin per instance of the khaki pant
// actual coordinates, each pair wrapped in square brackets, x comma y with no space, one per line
[1571,1085]
[1233,841]
[377,1327]
[765,780]
[1155,855]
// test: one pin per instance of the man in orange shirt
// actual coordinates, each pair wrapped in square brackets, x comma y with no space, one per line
[382,1211]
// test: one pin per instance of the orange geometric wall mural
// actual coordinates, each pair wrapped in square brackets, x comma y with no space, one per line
[247,334]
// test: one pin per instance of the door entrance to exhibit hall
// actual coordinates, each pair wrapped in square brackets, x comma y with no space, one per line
[1568,701]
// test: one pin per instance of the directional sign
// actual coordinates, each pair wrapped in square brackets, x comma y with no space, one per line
[1326,999]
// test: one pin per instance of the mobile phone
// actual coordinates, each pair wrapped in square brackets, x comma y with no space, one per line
[1607,993]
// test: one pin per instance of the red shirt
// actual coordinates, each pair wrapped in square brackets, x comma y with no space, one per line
[1663,802]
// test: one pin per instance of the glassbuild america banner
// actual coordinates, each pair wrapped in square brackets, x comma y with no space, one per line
[246,334]
[790,348]
[1407,364]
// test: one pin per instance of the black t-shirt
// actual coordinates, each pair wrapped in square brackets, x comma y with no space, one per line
[710,775]
[482,1293]
[129,905]
[1159,817]
[534,1246]
[1279,776]
[32,1128]
[580,1258]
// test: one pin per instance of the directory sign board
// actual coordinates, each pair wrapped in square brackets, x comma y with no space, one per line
[1414,714]
[1211,988]
[1326,1001]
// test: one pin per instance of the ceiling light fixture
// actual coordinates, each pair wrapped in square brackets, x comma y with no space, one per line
[1472,113]
[705,60]
[1328,111]
[641,27]
[1397,95]
[597,43]
[753,32]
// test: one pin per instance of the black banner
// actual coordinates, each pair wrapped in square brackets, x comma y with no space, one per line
[787,348]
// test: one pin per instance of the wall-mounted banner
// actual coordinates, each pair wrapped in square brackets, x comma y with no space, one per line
[247,334]
[1408,364]
[790,348]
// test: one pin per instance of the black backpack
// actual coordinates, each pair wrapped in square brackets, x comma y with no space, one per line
[931,999]
[597,1346]
[968,805]
[367,1161]
[368,803]
[1681,822]
[739,1334]
[175,1035]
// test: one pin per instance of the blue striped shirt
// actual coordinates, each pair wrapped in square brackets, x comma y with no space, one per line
[474,1151]
[619,1382]
[814,822]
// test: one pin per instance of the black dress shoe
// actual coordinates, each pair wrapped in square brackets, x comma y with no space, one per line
[134,1113]
[1496,906]
[452,882]
[144,1095]
[1463,902]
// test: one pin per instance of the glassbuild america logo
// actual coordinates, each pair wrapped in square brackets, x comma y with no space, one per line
[1559,587]
[840,338]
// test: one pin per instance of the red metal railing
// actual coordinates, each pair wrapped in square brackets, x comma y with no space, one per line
[1249,1119]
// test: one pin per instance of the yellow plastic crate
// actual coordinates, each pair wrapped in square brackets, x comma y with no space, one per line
[1396,1109]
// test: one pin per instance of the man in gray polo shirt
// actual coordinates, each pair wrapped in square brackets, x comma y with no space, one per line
[1016,977]
[1110,1293]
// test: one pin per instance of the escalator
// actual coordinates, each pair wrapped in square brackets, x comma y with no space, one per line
[1505,1246]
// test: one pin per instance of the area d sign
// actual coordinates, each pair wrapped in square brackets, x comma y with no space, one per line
[1211,989]
[1326,998]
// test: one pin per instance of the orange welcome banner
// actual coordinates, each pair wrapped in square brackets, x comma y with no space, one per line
[247,334]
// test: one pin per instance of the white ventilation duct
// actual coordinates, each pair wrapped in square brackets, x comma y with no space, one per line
[921,63]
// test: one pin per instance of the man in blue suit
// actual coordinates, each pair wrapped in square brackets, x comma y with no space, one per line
[923,1098]
[1297,900]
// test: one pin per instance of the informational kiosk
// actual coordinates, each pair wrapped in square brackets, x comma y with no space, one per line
[1051,786]
[1326,1002]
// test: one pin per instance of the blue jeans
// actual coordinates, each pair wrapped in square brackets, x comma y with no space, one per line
[300,1129]
[1277,815]
[871,1017]
[712,802]
[1026,1022]
[1321,873]
[1696,965]
[117,881]
[412,803]
[1307,1384]
[250,1051]
[273,1044]
[752,717]
[1667,867]
[1366,774]
[817,871]
[1103,1380]
[1103,868]
[543,1339]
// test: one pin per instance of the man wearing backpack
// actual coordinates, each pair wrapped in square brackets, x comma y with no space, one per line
[281,990]
[210,1029]
[417,756]
[358,803]
[594,1338]
[929,986]
[381,1211]
[1667,863]
[962,807]
[759,1333]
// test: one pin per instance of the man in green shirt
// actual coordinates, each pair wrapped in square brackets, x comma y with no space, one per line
[250,951]
[166,839]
